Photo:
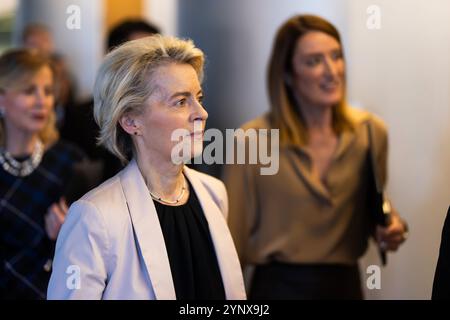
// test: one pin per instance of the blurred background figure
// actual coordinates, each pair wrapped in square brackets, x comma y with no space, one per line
[80,127]
[37,174]
[130,29]
[305,227]
[38,36]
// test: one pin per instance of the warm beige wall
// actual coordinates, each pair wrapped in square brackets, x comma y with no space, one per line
[402,73]
[118,10]
[164,14]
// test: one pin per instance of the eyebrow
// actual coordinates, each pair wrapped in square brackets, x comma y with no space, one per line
[184,94]
[321,53]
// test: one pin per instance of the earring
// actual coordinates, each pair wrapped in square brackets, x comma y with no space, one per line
[287,79]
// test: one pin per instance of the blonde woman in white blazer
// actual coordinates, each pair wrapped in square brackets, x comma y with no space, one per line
[157,230]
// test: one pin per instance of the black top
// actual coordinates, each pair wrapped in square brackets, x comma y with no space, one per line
[441,284]
[192,258]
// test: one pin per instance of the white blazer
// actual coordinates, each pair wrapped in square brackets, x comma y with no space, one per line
[111,244]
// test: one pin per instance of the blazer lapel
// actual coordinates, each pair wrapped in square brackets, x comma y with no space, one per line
[148,232]
[227,257]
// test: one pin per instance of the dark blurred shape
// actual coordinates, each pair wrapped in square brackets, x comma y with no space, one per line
[85,176]
[130,29]
[441,284]
[80,128]
[38,36]
[375,201]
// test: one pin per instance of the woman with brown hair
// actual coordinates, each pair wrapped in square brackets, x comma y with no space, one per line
[305,227]
[35,172]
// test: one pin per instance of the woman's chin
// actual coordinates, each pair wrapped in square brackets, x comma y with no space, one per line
[34,129]
[329,102]
[197,150]
[187,158]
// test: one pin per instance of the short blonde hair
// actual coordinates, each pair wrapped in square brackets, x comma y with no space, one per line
[124,83]
[16,67]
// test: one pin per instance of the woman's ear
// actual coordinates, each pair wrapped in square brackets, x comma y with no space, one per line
[129,124]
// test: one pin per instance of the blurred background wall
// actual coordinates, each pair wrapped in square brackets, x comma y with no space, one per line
[400,72]
[83,48]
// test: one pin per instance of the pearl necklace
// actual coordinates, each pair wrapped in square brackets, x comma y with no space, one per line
[24,168]
[160,199]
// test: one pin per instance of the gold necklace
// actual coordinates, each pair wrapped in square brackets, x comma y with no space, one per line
[160,199]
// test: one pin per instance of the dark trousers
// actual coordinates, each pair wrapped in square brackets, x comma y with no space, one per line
[283,281]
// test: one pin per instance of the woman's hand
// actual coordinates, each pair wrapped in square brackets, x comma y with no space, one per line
[391,237]
[55,217]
